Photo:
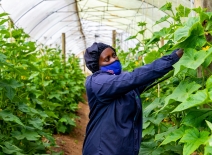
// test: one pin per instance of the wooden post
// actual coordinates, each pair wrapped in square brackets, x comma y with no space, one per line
[161,42]
[84,65]
[114,39]
[64,46]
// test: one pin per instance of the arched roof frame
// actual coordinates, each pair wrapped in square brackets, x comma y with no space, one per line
[84,21]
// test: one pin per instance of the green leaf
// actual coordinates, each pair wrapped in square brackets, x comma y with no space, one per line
[4,14]
[3,21]
[131,37]
[198,10]
[33,67]
[194,100]
[208,147]
[208,150]
[145,125]
[142,31]
[167,6]
[55,95]
[61,128]
[174,135]
[162,20]
[184,32]
[203,16]
[196,118]
[208,59]
[5,33]
[176,150]
[157,119]
[183,11]
[7,116]
[33,75]
[18,135]
[11,83]
[51,114]
[10,93]
[195,39]
[209,82]
[3,58]
[142,24]
[161,136]
[190,59]
[209,124]
[208,26]
[181,34]
[10,148]
[151,56]
[37,123]
[57,153]
[182,92]
[24,108]
[151,106]
[150,130]
[68,120]
[63,120]
[149,148]
[157,35]
[73,106]
[165,47]
[34,91]
[46,83]
[193,139]
[31,135]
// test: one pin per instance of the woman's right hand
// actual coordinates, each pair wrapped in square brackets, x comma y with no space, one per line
[180,53]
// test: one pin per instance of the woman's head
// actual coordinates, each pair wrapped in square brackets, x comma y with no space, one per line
[95,57]
[107,57]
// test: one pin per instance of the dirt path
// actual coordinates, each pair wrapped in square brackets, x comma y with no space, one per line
[72,144]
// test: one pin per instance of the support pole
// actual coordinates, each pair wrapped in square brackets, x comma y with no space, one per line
[114,39]
[84,65]
[161,42]
[64,46]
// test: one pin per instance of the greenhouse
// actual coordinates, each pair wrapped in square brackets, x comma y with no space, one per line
[106,77]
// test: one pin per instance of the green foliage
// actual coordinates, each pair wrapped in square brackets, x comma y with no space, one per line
[177,112]
[39,93]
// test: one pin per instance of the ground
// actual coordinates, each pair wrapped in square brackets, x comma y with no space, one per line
[72,144]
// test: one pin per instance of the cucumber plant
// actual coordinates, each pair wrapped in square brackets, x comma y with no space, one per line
[177,112]
[38,92]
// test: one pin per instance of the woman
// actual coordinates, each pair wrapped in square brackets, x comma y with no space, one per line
[115,124]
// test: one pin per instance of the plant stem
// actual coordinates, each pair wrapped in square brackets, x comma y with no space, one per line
[209,44]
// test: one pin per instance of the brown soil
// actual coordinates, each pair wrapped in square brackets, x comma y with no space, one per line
[72,144]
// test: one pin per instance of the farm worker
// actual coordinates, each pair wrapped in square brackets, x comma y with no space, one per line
[115,124]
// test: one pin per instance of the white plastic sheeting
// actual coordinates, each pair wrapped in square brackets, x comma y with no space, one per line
[85,21]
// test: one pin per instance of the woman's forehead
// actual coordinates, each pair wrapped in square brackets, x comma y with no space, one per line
[107,51]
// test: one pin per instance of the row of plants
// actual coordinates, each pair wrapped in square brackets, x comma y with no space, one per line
[39,92]
[177,112]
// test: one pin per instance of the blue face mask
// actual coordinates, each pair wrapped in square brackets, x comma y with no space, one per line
[114,68]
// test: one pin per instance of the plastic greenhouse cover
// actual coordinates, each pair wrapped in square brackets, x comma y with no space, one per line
[85,21]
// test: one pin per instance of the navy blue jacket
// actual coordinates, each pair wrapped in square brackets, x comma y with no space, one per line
[115,124]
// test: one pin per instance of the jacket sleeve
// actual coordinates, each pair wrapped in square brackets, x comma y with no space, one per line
[108,87]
